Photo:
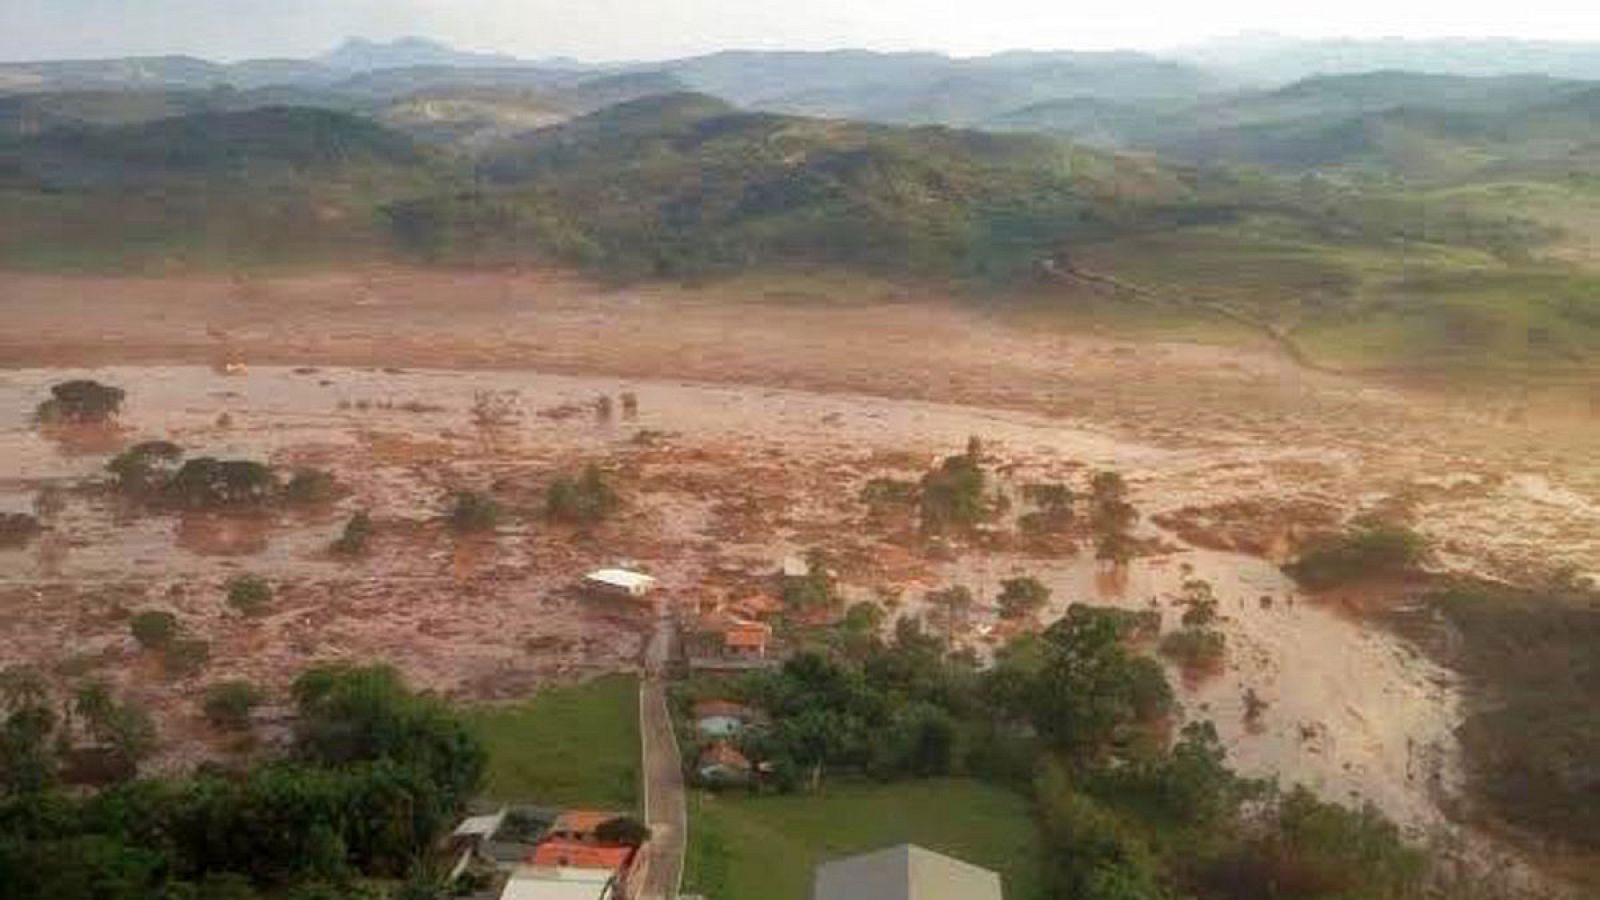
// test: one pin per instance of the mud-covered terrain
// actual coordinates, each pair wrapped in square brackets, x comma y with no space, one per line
[759,420]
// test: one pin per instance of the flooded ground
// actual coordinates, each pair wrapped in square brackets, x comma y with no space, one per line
[757,425]
[723,481]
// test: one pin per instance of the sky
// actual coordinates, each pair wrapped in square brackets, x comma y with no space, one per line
[609,30]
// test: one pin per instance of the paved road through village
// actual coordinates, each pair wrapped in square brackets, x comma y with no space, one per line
[664,807]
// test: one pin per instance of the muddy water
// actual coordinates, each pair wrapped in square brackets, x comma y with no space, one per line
[1350,710]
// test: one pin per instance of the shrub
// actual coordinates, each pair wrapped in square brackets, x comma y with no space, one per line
[228,704]
[81,402]
[17,529]
[1022,597]
[249,594]
[1364,552]
[474,512]
[308,486]
[145,468]
[186,656]
[623,830]
[154,629]
[952,495]
[1195,648]
[208,483]
[353,540]
[583,501]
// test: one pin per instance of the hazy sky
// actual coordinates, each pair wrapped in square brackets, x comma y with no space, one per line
[641,29]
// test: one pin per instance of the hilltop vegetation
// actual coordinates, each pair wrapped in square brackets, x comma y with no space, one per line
[1366,221]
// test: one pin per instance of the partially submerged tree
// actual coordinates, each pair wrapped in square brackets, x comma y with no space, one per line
[146,468]
[249,594]
[1022,598]
[585,500]
[953,495]
[474,512]
[208,483]
[228,704]
[154,629]
[357,532]
[81,402]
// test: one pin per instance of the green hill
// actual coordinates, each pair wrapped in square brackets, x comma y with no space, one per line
[686,184]
[271,185]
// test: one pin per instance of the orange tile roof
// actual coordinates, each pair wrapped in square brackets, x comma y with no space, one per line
[747,634]
[575,855]
[707,709]
[723,753]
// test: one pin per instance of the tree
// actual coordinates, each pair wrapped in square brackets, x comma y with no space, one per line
[1022,598]
[1199,602]
[208,483]
[952,495]
[17,529]
[310,486]
[357,532]
[586,500]
[953,604]
[474,512]
[228,704]
[249,594]
[154,629]
[81,402]
[27,734]
[145,469]
[623,830]
[1372,550]
[1089,692]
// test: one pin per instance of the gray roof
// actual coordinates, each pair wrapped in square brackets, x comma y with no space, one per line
[904,873]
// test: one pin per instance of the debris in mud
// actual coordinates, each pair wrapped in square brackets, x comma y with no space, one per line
[1268,528]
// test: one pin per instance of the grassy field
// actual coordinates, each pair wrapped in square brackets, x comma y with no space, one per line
[764,848]
[566,746]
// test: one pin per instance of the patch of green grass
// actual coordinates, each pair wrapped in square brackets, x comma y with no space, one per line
[744,847]
[575,746]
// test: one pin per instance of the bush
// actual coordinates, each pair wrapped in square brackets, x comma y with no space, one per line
[584,501]
[17,529]
[208,483]
[1365,552]
[146,468]
[80,403]
[249,594]
[309,486]
[228,704]
[353,540]
[474,512]
[1195,648]
[1022,597]
[623,830]
[186,656]
[155,629]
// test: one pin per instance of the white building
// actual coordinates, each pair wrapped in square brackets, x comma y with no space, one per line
[619,582]
[553,883]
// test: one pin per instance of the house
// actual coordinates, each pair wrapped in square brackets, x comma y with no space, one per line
[905,872]
[722,763]
[722,641]
[624,583]
[746,640]
[472,838]
[565,854]
[555,883]
[721,718]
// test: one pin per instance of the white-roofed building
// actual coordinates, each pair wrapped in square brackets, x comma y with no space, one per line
[554,883]
[619,582]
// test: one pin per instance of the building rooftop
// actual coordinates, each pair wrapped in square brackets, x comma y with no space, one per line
[552,883]
[576,855]
[480,826]
[623,579]
[905,872]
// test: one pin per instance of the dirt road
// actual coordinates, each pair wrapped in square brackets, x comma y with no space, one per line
[664,807]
